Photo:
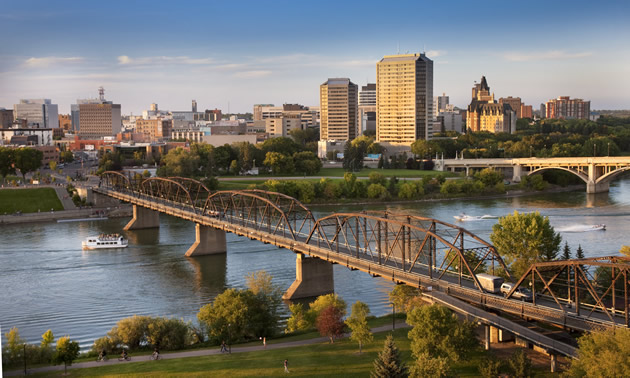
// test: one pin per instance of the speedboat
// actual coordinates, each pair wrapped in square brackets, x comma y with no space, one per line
[105,241]
[467,218]
[599,227]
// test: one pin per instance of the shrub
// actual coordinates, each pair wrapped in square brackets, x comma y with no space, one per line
[520,364]
[377,191]
[132,331]
[489,367]
[106,344]
[298,320]
[407,191]
[450,187]
[489,177]
[169,334]
[377,178]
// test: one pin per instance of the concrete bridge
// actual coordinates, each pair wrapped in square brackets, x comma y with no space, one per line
[421,252]
[596,172]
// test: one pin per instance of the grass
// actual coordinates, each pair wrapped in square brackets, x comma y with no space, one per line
[29,200]
[365,172]
[316,360]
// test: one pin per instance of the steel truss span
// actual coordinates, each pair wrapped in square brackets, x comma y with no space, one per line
[584,294]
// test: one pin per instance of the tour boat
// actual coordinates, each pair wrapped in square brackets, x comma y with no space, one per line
[105,241]
[468,218]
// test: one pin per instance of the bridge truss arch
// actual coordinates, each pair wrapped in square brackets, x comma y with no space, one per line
[167,189]
[115,180]
[198,192]
[412,244]
[263,211]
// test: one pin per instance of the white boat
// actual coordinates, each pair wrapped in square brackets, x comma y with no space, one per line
[105,241]
[469,218]
[599,227]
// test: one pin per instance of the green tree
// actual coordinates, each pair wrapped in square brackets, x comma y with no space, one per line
[66,352]
[522,239]
[260,283]
[579,254]
[13,349]
[424,148]
[566,251]
[389,364]
[281,145]
[235,167]
[489,177]
[223,156]
[407,191]
[298,320]
[426,366]
[27,160]
[6,162]
[404,297]
[131,331]
[168,334]
[322,302]
[489,367]
[279,163]
[603,354]
[520,364]
[66,156]
[179,162]
[358,324]
[437,331]
[307,163]
[625,251]
[377,191]
[53,165]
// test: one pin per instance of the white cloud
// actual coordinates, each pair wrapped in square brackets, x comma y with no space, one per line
[50,60]
[252,74]
[435,53]
[125,60]
[516,56]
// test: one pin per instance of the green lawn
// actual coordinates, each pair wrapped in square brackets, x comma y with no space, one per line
[365,172]
[317,360]
[29,200]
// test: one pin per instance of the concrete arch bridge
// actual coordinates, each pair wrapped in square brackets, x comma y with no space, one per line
[596,172]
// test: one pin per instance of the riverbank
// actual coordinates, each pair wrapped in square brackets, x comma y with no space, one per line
[53,216]
[508,194]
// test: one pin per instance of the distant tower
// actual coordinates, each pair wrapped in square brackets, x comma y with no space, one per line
[154,107]
[101,93]
[194,106]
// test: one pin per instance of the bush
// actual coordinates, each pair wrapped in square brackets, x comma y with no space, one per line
[520,364]
[489,367]
[377,178]
[450,187]
[168,334]
[298,320]
[106,344]
[535,182]
[132,331]
[489,177]
[407,191]
[377,191]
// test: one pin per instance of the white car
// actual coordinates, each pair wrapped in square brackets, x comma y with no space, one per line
[520,293]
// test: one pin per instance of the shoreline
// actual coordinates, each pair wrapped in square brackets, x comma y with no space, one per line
[93,212]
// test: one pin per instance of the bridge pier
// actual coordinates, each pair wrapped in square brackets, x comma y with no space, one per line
[143,218]
[554,362]
[313,277]
[208,241]
[593,187]
[517,171]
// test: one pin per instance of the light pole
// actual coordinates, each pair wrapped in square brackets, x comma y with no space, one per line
[608,149]
[393,316]
[229,340]
[594,150]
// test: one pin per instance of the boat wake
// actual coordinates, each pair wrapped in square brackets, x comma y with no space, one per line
[582,228]
[471,218]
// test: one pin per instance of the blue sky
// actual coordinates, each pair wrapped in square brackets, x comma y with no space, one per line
[246,52]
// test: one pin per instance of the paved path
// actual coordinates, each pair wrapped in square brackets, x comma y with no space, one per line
[65,198]
[192,353]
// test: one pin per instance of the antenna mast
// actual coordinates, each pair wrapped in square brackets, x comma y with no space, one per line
[101,93]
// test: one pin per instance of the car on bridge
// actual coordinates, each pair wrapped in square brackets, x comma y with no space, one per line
[520,292]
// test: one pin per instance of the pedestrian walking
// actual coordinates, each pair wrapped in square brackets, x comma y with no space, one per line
[264,342]
[223,347]
[286,366]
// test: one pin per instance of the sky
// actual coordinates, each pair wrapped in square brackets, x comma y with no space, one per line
[234,54]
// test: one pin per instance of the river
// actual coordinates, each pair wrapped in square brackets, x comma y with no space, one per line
[49,282]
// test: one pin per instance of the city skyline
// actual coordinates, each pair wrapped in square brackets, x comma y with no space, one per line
[237,55]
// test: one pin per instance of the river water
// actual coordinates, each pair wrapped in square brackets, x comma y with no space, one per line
[48,282]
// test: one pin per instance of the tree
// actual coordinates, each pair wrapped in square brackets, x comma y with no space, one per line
[523,239]
[388,364]
[27,160]
[53,165]
[358,324]
[298,320]
[566,251]
[579,254]
[603,354]
[520,364]
[179,162]
[424,148]
[377,191]
[281,145]
[330,322]
[306,162]
[66,156]
[403,297]
[131,331]
[625,250]
[438,332]
[322,302]
[235,168]
[489,177]
[66,352]
[279,163]
[6,162]
[260,283]
[430,366]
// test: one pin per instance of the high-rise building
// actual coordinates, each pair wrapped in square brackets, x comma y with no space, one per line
[367,108]
[338,105]
[526,111]
[37,113]
[6,118]
[568,108]
[484,114]
[514,102]
[404,97]
[98,118]
[262,111]
[441,102]
[194,106]
[154,129]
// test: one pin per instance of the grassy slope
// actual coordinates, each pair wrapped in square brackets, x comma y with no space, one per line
[29,200]
[318,360]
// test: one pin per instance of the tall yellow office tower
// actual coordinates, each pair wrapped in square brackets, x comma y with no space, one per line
[404,98]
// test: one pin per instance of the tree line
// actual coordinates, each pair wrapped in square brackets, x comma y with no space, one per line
[23,159]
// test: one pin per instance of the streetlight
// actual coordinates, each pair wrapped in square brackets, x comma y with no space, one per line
[594,150]
[393,316]
[608,149]
[229,340]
